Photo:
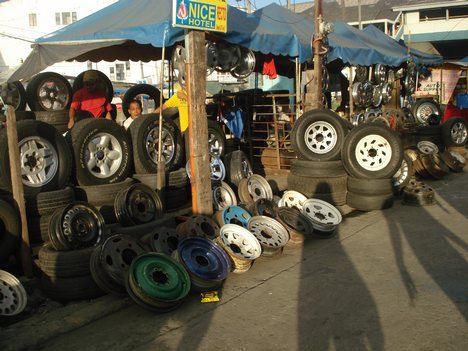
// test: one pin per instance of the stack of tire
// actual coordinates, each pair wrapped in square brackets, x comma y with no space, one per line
[317,139]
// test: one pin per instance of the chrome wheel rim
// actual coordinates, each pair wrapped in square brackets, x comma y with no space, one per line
[402,174]
[373,152]
[39,161]
[168,145]
[215,145]
[218,171]
[320,137]
[458,133]
[103,155]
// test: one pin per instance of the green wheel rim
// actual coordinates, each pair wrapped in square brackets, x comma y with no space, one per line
[160,276]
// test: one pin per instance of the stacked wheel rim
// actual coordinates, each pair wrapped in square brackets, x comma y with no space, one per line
[240,241]
[13,297]
[157,282]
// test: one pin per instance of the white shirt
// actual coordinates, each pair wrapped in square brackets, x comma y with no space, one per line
[127,122]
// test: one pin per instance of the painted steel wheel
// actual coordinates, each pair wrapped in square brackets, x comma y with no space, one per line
[138,204]
[296,223]
[200,225]
[270,233]
[235,215]
[292,198]
[240,241]
[427,147]
[372,151]
[223,196]
[163,240]
[157,282]
[13,296]
[264,207]
[324,216]
[259,188]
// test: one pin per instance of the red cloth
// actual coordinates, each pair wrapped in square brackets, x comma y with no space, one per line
[95,102]
[269,68]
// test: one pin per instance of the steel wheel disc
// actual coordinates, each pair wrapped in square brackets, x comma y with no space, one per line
[402,174]
[418,194]
[82,225]
[238,265]
[324,216]
[118,253]
[101,278]
[292,198]
[103,155]
[223,196]
[373,152]
[204,259]
[13,297]
[164,240]
[168,145]
[427,147]
[459,133]
[264,207]
[240,241]
[200,225]
[236,215]
[293,218]
[39,161]
[269,232]
[218,171]
[259,188]
[160,276]
[320,137]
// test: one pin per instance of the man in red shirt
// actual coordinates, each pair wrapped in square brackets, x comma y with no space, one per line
[89,101]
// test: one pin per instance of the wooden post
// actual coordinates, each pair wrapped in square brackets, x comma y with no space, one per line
[17,189]
[202,200]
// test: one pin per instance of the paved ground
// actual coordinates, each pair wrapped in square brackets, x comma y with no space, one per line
[390,280]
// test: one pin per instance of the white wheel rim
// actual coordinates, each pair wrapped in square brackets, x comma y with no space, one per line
[428,148]
[324,216]
[13,297]
[373,152]
[292,198]
[320,137]
[401,174]
[268,231]
[259,188]
[240,242]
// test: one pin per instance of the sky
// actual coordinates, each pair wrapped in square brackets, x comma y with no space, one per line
[256,4]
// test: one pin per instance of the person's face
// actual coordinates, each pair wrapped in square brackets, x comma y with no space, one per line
[134,110]
[90,85]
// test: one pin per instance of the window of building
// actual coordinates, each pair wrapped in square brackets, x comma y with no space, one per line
[458,12]
[112,73]
[127,65]
[65,18]
[32,20]
[432,14]
[120,71]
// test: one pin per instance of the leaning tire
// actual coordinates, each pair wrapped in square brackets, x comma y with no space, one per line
[141,89]
[144,132]
[104,82]
[455,132]
[372,151]
[318,135]
[11,230]
[49,91]
[45,158]
[102,152]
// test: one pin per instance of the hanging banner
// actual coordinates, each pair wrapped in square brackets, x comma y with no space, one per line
[209,15]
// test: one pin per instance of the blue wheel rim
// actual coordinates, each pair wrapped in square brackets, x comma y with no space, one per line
[204,259]
[236,215]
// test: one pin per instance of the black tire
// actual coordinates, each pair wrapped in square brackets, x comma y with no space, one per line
[317,169]
[14,94]
[10,230]
[379,148]
[49,91]
[327,129]
[140,89]
[69,289]
[38,229]
[47,139]
[176,198]
[48,201]
[216,138]
[310,185]
[237,167]
[423,108]
[429,133]
[58,119]
[105,82]
[175,179]
[455,132]
[64,264]
[375,186]
[99,195]
[145,154]
[118,165]
[369,202]
[25,115]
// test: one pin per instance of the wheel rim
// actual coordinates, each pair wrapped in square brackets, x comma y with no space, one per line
[160,276]
[320,137]
[203,226]
[424,111]
[165,240]
[427,147]
[138,204]
[178,61]
[53,94]
[223,196]
[215,144]
[373,152]
[402,174]
[103,155]
[81,225]
[168,145]
[458,133]
[15,93]
[39,161]
[13,297]
[240,242]
[259,188]
[236,215]
[268,231]
[295,219]
[292,198]
[324,216]
[218,171]
[265,207]
[204,259]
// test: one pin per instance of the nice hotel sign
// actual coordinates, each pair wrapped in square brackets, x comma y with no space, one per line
[209,15]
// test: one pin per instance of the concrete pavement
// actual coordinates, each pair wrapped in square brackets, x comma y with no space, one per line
[390,280]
